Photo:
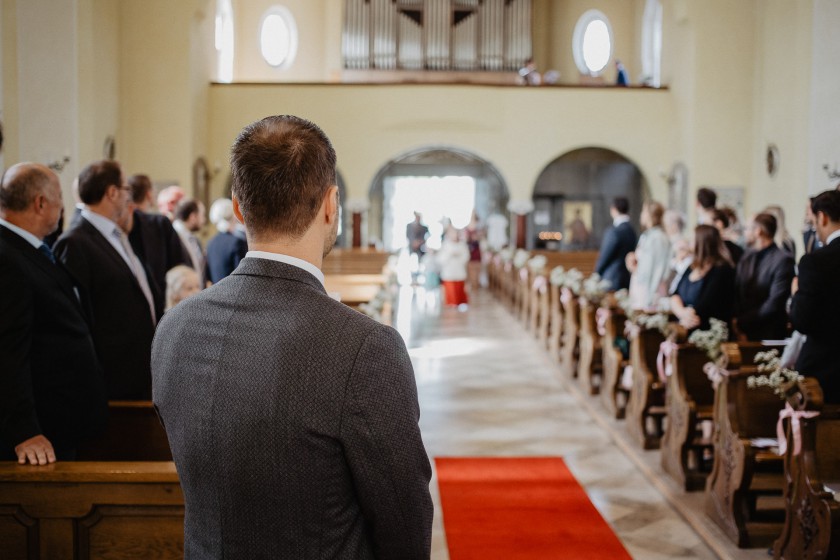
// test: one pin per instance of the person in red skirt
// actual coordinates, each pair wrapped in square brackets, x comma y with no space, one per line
[452,260]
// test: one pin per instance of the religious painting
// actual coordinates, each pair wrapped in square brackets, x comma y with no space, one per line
[577,224]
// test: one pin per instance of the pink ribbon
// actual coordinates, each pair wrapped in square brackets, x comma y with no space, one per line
[631,329]
[566,296]
[666,351]
[540,283]
[602,315]
[795,416]
[716,371]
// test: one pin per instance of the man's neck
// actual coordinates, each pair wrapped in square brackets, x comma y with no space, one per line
[299,249]
[103,210]
[23,222]
[761,244]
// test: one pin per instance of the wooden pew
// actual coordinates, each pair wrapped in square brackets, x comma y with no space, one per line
[614,395]
[354,289]
[355,261]
[590,361]
[133,433]
[87,510]
[523,294]
[812,480]
[539,313]
[555,323]
[646,406]
[745,478]
[571,326]
[581,260]
[689,401]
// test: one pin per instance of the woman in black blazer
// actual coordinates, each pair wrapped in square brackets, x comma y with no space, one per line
[708,289]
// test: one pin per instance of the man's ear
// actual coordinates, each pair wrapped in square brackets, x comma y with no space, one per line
[236,211]
[331,203]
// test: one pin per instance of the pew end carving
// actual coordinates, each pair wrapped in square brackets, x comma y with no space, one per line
[590,360]
[646,406]
[614,395]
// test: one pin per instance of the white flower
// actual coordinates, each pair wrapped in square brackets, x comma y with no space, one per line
[773,374]
[506,254]
[558,276]
[574,281]
[711,339]
[537,263]
[520,258]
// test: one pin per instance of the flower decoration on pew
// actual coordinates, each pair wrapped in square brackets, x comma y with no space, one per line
[520,258]
[557,276]
[573,281]
[595,288]
[773,374]
[642,319]
[537,263]
[506,254]
[710,341]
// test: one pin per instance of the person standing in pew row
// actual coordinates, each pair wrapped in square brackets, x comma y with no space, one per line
[815,306]
[619,240]
[52,393]
[762,284]
[292,419]
[122,295]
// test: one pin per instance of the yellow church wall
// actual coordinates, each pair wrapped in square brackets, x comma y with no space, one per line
[8,70]
[518,130]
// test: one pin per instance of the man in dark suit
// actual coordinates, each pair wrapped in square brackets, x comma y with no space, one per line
[721,221]
[98,254]
[293,419]
[762,283]
[619,240]
[815,307]
[153,238]
[52,394]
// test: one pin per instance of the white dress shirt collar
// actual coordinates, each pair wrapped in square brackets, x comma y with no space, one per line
[105,226]
[832,237]
[28,236]
[294,261]
[620,219]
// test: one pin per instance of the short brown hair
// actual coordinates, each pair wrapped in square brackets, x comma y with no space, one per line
[186,208]
[95,179]
[281,168]
[141,185]
[706,197]
[767,224]
[655,212]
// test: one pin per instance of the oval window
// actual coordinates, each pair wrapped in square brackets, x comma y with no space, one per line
[278,37]
[592,45]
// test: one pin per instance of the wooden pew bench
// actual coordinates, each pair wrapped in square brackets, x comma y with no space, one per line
[614,395]
[743,492]
[86,510]
[689,401]
[555,323]
[646,406]
[812,479]
[570,350]
[354,289]
[355,261]
[590,360]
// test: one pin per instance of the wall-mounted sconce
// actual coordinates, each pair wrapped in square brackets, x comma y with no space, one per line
[59,165]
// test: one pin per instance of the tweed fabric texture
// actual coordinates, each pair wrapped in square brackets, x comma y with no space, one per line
[293,423]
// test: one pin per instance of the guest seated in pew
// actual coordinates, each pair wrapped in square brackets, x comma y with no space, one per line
[815,307]
[707,290]
[52,394]
[292,419]
[762,284]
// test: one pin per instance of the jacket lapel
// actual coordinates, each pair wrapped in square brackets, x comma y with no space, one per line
[112,253]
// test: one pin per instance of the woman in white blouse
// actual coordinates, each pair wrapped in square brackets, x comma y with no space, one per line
[650,263]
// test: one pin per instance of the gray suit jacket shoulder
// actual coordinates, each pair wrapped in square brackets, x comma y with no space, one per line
[293,423]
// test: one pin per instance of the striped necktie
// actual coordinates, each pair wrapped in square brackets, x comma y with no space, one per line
[47,252]
[137,271]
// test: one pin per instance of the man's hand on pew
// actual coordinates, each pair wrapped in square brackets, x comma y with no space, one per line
[37,450]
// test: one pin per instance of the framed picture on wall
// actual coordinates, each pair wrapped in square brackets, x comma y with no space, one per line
[732,197]
[577,224]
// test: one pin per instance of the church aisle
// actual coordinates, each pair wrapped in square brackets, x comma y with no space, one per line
[487,389]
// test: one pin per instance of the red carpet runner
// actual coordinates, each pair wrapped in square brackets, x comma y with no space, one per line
[520,508]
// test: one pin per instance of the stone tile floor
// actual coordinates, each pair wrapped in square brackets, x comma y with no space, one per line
[486,388]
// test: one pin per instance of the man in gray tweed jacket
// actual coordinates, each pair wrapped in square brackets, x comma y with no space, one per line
[292,419]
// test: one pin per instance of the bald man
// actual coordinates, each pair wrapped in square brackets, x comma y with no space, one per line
[52,393]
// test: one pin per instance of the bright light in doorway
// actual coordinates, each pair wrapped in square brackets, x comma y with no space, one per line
[436,198]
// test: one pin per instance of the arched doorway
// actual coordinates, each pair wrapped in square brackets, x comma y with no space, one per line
[447,180]
[572,197]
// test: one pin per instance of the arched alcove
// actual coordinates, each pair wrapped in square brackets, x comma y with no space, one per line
[491,192]
[572,197]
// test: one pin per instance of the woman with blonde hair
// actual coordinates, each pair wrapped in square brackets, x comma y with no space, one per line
[783,238]
[707,289]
